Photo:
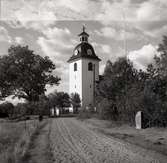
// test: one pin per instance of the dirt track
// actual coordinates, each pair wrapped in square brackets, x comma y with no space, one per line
[68,140]
[73,141]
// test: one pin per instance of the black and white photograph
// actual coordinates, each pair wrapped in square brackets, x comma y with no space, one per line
[83,81]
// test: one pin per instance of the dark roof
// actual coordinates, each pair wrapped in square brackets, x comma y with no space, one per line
[82,52]
[83,33]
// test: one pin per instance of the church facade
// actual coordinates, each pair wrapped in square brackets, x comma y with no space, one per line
[84,70]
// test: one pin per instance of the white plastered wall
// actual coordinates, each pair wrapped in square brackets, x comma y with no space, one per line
[82,80]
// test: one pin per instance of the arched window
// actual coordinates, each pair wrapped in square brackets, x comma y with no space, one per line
[90,66]
[75,66]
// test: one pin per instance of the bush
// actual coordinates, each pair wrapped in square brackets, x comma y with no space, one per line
[106,110]
[6,109]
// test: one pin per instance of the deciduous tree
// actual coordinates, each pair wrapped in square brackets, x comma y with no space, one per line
[75,101]
[25,74]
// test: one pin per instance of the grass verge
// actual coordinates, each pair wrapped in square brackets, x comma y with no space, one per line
[15,138]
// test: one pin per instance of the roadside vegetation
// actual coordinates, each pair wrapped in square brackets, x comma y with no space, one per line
[123,90]
[25,75]
[15,139]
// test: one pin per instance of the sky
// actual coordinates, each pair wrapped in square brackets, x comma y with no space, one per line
[117,28]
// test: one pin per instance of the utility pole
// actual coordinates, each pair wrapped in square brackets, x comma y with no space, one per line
[124,26]
[125,48]
[0,9]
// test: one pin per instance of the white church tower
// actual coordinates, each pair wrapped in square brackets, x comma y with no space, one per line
[84,70]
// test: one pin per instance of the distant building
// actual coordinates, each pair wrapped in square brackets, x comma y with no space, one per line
[84,70]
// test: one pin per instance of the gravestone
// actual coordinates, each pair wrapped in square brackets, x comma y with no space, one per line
[138,120]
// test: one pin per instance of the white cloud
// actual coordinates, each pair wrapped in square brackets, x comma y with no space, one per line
[18,40]
[75,5]
[142,57]
[56,33]
[46,12]
[55,41]
[116,11]
[4,35]
[106,48]
[157,32]
[118,35]
[28,14]
[14,101]
[152,10]
[102,50]
[101,69]
[48,47]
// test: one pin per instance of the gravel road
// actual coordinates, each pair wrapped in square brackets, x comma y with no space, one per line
[72,141]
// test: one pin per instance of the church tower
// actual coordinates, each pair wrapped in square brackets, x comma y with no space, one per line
[84,70]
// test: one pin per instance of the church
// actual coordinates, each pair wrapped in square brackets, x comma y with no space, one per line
[84,70]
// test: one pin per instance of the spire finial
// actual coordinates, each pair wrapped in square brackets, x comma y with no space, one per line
[83,27]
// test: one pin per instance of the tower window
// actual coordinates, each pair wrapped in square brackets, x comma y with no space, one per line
[75,66]
[83,39]
[90,66]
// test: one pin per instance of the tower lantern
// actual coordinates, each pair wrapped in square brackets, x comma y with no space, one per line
[83,36]
[84,70]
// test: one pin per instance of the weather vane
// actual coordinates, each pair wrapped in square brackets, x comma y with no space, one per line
[84,27]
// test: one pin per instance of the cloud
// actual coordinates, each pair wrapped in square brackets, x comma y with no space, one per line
[14,101]
[101,69]
[18,40]
[56,32]
[4,35]
[118,35]
[28,14]
[106,49]
[57,44]
[116,11]
[142,57]
[102,50]
[157,32]
[55,41]
[129,10]
[152,10]
[41,14]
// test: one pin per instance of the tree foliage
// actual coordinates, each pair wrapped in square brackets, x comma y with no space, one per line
[119,85]
[124,90]
[25,74]
[75,101]
[59,99]
[6,109]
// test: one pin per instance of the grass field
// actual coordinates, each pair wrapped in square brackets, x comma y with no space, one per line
[15,138]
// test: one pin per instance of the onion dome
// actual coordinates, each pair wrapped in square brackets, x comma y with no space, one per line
[84,49]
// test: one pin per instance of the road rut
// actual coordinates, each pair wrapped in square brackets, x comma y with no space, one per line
[74,142]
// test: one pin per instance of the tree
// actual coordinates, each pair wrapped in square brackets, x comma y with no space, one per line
[6,109]
[59,99]
[108,68]
[43,105]
[155,88]
[25,74]
[75,101]
[120,86]
[161,60]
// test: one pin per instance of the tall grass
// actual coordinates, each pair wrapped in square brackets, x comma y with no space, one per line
[14,139]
